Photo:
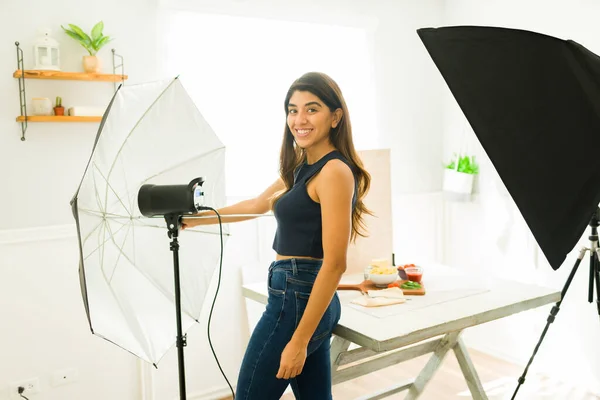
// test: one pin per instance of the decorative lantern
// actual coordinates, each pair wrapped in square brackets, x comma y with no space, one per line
[46,52]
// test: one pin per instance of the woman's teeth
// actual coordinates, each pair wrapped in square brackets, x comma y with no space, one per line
[303,132]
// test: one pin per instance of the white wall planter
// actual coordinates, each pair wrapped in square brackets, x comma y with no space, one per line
[458,186]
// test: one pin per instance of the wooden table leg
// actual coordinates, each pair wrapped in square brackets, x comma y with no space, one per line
[440,347]
[448,342]
[338,346]
[468,370]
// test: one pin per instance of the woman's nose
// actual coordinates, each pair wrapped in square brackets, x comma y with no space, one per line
[300,117]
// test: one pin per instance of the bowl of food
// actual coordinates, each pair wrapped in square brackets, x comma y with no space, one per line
[383,276]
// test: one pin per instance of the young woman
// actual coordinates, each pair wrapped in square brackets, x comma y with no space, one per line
[318,205]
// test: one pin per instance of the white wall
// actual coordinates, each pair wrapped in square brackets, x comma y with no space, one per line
[410,105]
[43,322]
[43,172]
[490,236]
[44,326]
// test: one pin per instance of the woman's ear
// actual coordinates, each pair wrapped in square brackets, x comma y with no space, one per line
[337,117]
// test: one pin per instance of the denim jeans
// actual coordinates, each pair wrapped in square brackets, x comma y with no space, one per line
[289,284]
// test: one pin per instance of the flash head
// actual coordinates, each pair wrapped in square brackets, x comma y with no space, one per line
[162,200]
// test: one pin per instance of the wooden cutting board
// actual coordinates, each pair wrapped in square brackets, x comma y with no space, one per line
[366,285]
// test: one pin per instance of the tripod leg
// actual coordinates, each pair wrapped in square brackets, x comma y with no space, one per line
[592,275]
[553,312]
[596,257]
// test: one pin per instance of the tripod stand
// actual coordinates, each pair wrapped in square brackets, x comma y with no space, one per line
[594,278]
[173,224]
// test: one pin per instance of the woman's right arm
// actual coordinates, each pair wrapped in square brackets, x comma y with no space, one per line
[258,205]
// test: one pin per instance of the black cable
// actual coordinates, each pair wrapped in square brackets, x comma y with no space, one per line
[21,389]
[215,299]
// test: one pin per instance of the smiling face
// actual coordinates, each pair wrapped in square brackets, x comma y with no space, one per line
[310,121]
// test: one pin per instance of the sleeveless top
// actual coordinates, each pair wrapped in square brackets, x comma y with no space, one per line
[299,224]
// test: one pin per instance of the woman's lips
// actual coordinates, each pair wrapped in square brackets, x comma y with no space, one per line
[303,132]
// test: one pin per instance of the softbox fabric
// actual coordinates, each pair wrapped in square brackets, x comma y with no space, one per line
[533,102]
[150,134]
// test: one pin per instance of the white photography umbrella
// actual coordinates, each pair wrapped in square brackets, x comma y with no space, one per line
[150,134]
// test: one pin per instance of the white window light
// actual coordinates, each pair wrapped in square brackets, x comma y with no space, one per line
[237,70]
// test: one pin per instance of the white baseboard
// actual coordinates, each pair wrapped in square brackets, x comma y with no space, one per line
[42,233]
[211,394]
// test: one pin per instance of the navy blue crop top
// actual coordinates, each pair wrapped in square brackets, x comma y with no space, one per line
[299,224]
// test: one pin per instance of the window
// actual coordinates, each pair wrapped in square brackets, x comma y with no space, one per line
[238,69]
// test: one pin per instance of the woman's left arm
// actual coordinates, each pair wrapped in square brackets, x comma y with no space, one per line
[335,188]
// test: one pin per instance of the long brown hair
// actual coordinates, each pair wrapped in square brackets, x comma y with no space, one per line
[291,156]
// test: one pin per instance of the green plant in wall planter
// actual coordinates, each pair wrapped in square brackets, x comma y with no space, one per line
[92,43]
[466,165]
[459,175]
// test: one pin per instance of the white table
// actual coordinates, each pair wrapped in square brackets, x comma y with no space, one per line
[429,324]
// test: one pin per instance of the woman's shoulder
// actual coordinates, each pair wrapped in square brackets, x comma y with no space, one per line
[337,168]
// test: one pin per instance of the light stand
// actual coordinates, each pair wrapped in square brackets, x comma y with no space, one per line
[594,276]
[173,224]
[172,202]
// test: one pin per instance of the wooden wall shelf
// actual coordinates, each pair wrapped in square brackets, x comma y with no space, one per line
[73,76]
[58,118]
[22,75]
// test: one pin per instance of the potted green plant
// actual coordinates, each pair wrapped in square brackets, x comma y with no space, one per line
[92,43]
[459,175]
[58,107]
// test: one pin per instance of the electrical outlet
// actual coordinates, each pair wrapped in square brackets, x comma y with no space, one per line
[64,376]
[32,386]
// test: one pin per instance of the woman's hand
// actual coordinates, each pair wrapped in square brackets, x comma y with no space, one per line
[293,358]
[188,222]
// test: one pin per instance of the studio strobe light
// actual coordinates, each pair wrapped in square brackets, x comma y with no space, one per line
[152,138]
[161,200]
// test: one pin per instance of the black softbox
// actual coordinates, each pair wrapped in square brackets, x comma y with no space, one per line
[533,102]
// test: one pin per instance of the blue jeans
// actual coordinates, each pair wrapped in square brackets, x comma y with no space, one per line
[289,284]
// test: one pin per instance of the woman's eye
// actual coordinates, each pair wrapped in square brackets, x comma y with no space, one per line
[312,110]
[291,111]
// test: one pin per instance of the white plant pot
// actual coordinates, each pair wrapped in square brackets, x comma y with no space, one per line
[458,185]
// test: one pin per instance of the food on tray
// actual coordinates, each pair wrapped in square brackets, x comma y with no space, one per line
[410,285]
[381,277]
[405,285]
[378,265]
[402,267]
[414,273]
[367,301]
[390,293]
[383,271]
[410,272]
[401,272]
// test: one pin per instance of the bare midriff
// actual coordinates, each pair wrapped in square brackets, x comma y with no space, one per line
[280,257]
